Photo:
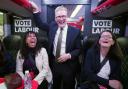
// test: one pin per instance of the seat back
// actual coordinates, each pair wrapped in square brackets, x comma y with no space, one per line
[12,44]
[123,42]
[43,41]
[87,43]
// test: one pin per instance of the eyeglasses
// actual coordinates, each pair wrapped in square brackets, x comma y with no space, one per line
[106,36]
[63,16]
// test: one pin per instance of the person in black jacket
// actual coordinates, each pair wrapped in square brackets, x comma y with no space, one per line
[65,66]
[106,48]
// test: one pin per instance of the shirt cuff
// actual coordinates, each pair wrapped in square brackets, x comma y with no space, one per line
[69,55]
[37,11]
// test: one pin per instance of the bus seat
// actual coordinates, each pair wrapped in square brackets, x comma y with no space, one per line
[12,44]
[43,41]
[123,42]
[87,43]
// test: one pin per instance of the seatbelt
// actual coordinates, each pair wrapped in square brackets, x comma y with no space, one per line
[103,62]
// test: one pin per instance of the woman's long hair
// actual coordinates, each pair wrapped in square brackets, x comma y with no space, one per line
[115,51]
[25,49]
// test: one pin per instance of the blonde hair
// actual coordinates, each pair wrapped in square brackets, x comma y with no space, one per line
[60,8]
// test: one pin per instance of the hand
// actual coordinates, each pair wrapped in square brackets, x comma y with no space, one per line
[102,87]
[115,84]
[64,57]
[34,7]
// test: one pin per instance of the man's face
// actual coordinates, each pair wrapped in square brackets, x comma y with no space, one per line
[61,18]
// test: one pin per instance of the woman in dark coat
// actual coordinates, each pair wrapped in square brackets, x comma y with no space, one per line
[106,48]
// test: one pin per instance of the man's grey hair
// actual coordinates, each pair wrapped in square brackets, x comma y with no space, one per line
[60,8]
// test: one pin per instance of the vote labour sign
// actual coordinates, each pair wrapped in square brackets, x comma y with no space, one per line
[24,26]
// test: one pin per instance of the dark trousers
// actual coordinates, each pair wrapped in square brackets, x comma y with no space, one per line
[63,76]
[43,85]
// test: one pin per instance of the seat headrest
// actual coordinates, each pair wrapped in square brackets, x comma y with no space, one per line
[90,40]
[123,42]
[12,42]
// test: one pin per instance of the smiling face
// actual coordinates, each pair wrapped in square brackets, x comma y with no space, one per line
[31,40]
[106,40]
[61,17]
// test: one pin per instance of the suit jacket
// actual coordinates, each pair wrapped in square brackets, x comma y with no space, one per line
[72,40]
[42,65]
[92,67]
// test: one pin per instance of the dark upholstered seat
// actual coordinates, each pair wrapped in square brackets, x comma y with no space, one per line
[12,44]
[123,42]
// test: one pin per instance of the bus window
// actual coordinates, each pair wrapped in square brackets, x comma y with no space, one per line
[1,25]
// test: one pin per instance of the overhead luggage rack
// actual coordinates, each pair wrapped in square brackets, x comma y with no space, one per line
[111,8]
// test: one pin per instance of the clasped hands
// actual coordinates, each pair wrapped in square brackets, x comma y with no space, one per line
[64,58]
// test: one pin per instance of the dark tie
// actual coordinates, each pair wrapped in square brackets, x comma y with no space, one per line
[58,47]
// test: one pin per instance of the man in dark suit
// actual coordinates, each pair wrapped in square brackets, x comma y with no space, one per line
[63,59]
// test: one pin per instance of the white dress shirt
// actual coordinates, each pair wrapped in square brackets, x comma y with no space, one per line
[63,44]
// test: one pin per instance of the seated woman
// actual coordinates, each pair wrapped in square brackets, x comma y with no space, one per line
[34,58]
[7,64]
[102,65]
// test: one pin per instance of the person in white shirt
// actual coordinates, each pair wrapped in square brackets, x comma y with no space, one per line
[64,61]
